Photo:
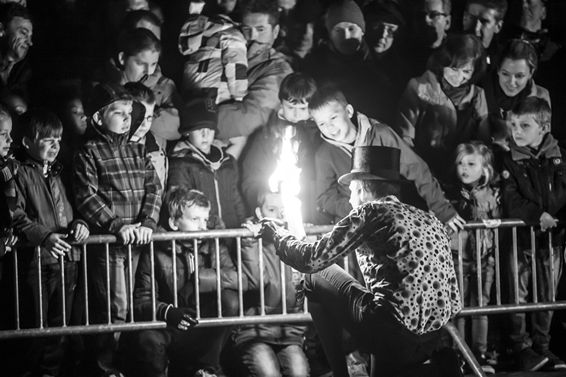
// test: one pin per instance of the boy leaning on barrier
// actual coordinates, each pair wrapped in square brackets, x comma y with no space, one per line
[116,191]
[188,351]
[44,217]
[534,190]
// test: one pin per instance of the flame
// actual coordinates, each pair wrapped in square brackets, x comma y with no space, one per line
[286,180]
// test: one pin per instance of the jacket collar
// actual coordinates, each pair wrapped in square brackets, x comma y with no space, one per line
[549,149]
[213,161]
[48,169]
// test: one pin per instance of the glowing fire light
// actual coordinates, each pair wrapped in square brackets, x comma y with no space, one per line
[286,180]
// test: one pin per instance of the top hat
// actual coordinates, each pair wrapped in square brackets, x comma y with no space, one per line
[373,163]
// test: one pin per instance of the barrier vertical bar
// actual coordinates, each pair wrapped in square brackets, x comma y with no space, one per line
[17,288]
[534,265]
[218,282]
[497,267]
[552,267]
[85,275]
[515,265]
[40,285]
[479,267]
[130,285]
[108,303]
[174,259]
[466,351]
[63,290]
[283,287]
[461,267]
[152,267]
[240,290]
[197,285]
[261,278]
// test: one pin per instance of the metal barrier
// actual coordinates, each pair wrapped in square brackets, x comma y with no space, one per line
[498,306]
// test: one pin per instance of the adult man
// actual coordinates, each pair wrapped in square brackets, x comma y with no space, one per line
[16,32]
[404,255]
[266,68]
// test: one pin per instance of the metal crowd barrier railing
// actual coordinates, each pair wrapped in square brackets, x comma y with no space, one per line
[496,307]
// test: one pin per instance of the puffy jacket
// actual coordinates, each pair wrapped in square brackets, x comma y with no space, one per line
[216,175]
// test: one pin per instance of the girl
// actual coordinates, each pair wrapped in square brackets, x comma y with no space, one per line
[479,200]
[443,107]
[510,83]
[136,60]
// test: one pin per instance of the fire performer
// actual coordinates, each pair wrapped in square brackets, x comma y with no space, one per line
[410,287]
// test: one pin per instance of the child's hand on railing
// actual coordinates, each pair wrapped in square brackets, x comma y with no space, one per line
[56,245]
[456,223]
[547,221]
[253,227]
[143,235]
[79,232]
[127,233]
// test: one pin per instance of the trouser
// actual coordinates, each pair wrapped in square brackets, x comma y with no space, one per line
[335,303]
[547,282]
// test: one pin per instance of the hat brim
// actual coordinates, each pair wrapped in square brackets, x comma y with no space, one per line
[349,177]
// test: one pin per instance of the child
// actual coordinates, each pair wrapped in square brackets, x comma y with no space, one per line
[136,60]
[270,349]
[116,191]
[479,200]
[8,170]
[262,152]
[215,52]
[534,190]
[198,348]
[342,130]
[142,134]
[443,107]
[198,161]
[44,217]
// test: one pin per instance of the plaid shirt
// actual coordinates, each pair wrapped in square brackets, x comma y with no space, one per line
[115,183]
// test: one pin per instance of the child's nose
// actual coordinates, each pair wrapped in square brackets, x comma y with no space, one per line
[477,28]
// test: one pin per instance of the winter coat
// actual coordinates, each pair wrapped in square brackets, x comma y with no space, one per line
[242,118]
[115,182]
[333,159]
[404,255]
[269,333]
[216,56]
[533,183]
[434,125]
[260,157]
[42,208]
[216,175]
[164,287]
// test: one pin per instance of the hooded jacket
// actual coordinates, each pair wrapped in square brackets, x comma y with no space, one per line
[216,175]
[115,182]
[535,182]
[333,159]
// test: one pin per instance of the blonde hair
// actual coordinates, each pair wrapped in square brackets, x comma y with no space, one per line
[479,148]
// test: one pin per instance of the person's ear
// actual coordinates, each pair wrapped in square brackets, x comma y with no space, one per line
[258,213]
[448,22]
[2,30]
[97,118]
[275,32]
[498,26]
[173,224]
[121,59]
[26,142]
[349,111]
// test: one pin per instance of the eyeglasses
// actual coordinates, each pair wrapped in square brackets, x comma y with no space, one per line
[433,15]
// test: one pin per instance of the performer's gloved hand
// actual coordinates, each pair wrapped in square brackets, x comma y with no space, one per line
[268,229]
[180,318]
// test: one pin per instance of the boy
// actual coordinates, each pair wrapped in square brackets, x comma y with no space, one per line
[116,191]
[198,161]
[343,129]
[270,349]
[188,350]
[534,190]
[143,134]
[262,152]
[44,217]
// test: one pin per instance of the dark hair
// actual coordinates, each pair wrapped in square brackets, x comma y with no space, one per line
[268,7]
[323,96]
[9,11]
[297,87]
[179,198]
[40,124]
[132,42]
[519,49]
[380,188]
[140,92]
[132,18]
[536,106]
[458,50]
[500,6]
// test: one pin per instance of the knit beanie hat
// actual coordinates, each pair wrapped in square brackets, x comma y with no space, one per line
[197,114]
[388,12]
[344,11]
[103,95]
